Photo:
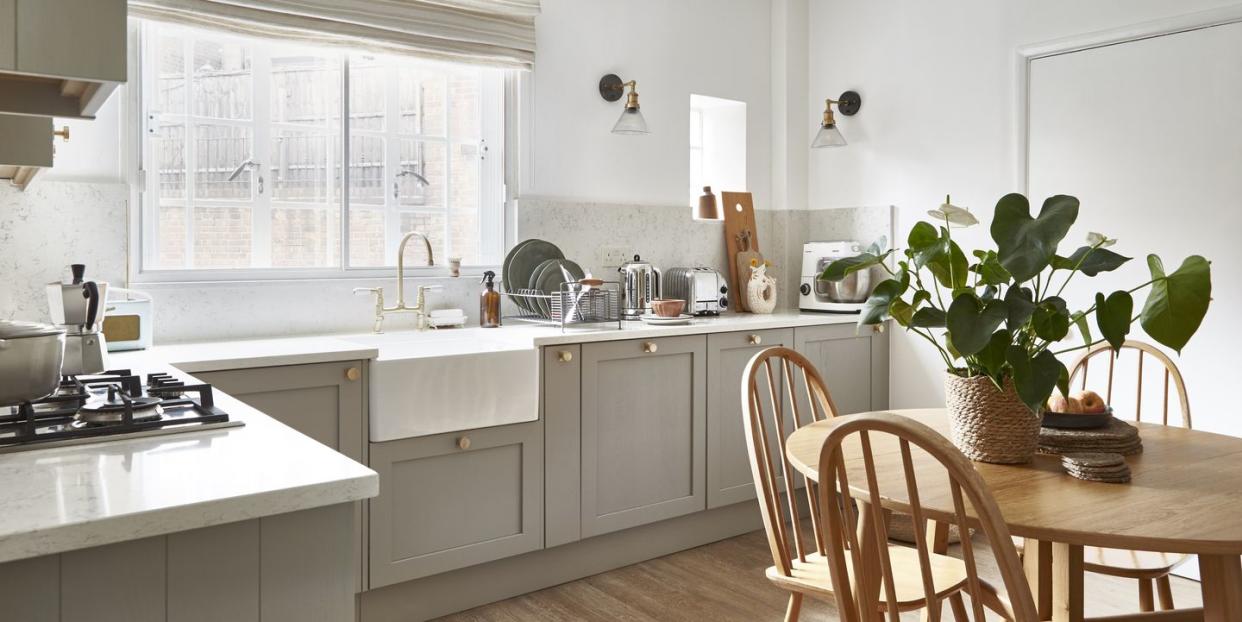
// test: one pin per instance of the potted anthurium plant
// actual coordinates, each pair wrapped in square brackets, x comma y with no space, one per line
[996,317]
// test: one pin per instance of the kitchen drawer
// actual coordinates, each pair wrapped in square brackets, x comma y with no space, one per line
[454,500]
[643,431]
[729,478]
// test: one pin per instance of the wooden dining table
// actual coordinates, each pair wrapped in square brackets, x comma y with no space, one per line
[1185,496]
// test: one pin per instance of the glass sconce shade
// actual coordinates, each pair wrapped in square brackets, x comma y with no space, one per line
[828,136]
[631,122]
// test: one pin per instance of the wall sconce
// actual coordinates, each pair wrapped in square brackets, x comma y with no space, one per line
[829,135]
[611,88]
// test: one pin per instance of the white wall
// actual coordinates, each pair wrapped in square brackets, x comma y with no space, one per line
[720,48]
[938,111]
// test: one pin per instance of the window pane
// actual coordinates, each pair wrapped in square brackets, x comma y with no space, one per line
[366,237]
[222,237]
[299,166]
[168,154]
[368,84]
[464,94]
[421,178]
[218,151]
[305,88]
[464,215]
[170,74]
[222,86]
[422,101]
[366,170]
[305,237]
[170,224]
[430,225]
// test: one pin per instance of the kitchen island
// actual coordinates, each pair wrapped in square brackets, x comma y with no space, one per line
[241,523]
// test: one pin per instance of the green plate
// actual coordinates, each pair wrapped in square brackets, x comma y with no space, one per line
[505,268]
[550,279]
[524,259]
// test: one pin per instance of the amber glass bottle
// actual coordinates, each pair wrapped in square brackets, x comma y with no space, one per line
[489,302]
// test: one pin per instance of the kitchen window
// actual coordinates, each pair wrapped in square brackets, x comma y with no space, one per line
[270,160]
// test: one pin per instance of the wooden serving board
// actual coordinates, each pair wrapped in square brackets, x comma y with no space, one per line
[739,216]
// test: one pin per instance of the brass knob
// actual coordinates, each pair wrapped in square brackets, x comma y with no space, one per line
[352,374]
[877,328]
[463,442]
[650,346]
[755,340]
[564,356]
[63,132]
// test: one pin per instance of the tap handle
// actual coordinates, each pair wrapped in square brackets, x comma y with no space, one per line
[362,291]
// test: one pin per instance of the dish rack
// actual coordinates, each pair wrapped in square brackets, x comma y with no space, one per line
[568,307]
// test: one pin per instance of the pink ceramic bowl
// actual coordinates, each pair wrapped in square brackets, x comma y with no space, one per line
[668,307]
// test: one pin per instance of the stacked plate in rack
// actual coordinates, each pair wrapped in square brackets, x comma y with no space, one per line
[537,267]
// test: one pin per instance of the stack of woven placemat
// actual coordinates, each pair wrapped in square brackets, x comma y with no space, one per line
[1118,437]
[1097,467]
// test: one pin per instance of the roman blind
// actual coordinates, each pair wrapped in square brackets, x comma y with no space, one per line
[498,33]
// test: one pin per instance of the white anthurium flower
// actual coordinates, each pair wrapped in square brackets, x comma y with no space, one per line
[954,215]
[1099,240]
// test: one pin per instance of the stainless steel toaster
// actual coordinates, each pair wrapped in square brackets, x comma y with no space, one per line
[704,290]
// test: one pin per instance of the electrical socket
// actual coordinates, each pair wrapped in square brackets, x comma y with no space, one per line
[612,256]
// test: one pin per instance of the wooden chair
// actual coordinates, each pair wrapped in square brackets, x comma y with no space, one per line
[1146,566]
[893,573]
[782,391]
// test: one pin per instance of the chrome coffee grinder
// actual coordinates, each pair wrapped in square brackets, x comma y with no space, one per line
[78,307]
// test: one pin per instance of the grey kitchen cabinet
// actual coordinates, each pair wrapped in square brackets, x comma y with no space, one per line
[321,400]
[27,146]
[729,478]
[562,425]
[65,56]
[295,566]
[643,431]
[325,401]
[454,500]
[852,361]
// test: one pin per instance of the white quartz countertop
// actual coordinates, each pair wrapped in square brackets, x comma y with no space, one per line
[244,354]
[65,498]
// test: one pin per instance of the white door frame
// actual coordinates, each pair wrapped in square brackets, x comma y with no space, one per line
[1076,43]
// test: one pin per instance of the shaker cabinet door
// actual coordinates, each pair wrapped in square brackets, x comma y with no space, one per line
[844,358]
[643,431]
[729,478]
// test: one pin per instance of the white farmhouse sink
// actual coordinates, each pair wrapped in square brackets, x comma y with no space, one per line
[448,381]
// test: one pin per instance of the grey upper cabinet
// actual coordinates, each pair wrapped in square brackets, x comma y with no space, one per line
[643,431]
[323,400]
[26,148]
[853,363]
[562,424]
[729,478]
[454,500]
[62,58]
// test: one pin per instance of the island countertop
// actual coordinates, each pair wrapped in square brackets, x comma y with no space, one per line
[66,498]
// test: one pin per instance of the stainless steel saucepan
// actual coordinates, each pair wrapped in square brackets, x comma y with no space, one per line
[30,359]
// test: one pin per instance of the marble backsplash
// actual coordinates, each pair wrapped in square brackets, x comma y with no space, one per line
[54,223]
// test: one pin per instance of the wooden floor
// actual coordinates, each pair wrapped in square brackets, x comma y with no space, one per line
[724,581]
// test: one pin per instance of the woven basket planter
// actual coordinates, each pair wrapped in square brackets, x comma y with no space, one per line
[990,425]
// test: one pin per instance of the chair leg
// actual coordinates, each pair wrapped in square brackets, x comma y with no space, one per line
[1145,595]
[794,608]
[1165,591]
[959,608]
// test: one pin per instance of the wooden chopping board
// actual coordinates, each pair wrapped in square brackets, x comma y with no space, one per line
[739,216]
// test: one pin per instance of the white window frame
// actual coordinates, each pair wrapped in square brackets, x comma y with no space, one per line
[498,175]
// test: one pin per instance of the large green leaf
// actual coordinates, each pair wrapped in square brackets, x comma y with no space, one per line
[1112,315]
[1051,319]
[1090,261]
[950,268]
[1034,377]
[1021,304]
[1026,245]
[877,306]
[971,322]
[901,311]
[842,268]
[992,356]
[924,243]
[1177,302]
[929,317]
[990,271]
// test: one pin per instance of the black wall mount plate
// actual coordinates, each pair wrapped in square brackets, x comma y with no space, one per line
[611,87]
[849,103]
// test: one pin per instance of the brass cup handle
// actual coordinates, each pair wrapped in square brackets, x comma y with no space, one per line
[754,340]
[564,356]
[650,346]
[463,442]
